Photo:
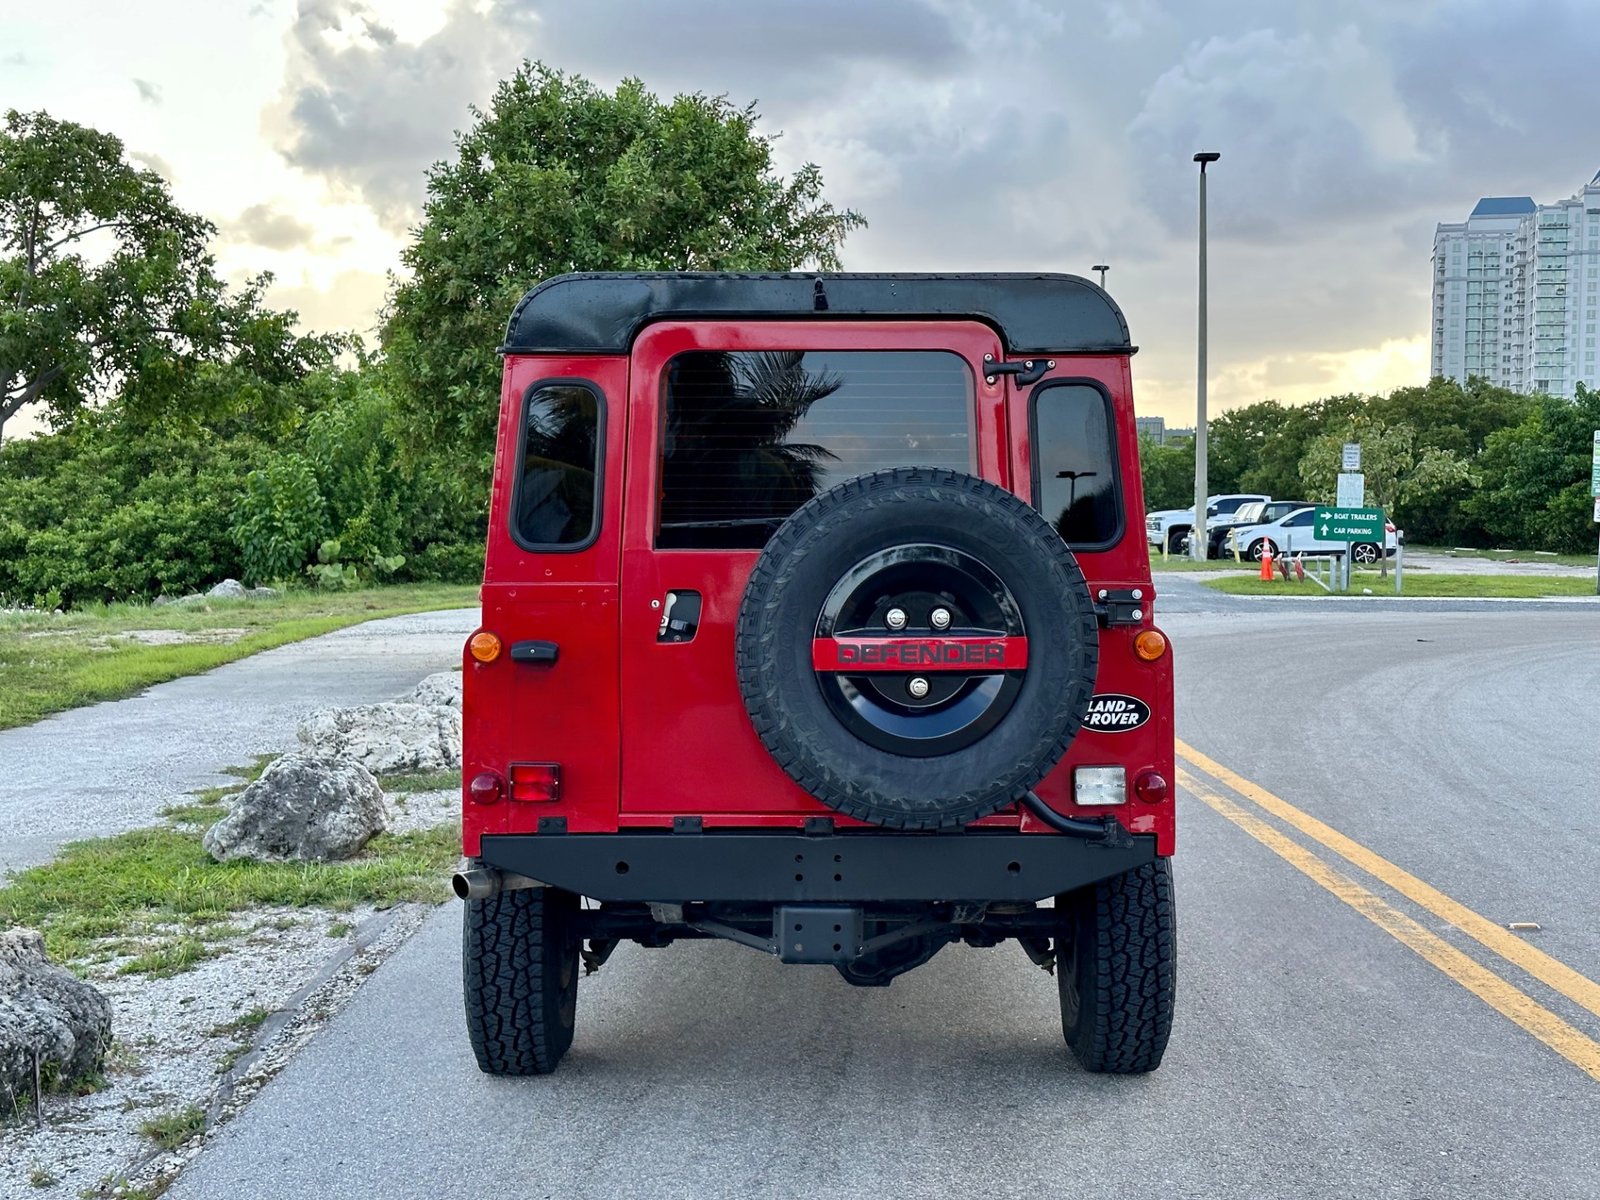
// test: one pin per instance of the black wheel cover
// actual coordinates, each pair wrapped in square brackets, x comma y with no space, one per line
[985,704]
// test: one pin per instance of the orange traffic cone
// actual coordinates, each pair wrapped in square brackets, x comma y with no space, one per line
[1266,563]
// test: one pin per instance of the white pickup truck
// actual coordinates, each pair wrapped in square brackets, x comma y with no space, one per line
[1168,527]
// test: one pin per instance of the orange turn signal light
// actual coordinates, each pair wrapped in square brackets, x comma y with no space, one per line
[1150,644]
[484,647]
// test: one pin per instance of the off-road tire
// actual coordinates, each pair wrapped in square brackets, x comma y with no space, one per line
[519,965]
[800,565]
[1116,970]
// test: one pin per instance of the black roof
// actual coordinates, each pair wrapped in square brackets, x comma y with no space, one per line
[601,312]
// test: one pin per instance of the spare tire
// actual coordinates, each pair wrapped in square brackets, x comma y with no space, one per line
[916,648]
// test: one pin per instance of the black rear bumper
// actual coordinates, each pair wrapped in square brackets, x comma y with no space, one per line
[795,868]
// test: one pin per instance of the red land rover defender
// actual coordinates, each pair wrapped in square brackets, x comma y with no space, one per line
[817,616]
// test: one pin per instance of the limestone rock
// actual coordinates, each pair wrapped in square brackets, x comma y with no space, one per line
[385,738]
[46,1010]
[442,688]
[302,807]
[228,589]
[261,593]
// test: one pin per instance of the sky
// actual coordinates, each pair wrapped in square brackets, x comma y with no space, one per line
[972,134]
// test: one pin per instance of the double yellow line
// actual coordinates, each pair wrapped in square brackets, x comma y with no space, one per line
[1505,998]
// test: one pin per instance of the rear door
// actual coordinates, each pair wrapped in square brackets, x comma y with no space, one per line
[733,427]
[551,583]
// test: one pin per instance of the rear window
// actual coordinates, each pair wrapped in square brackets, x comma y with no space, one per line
[752,435]
[554,505]
[1075,464]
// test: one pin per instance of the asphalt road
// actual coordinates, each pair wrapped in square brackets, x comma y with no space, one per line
[1326,1044]
[113,766]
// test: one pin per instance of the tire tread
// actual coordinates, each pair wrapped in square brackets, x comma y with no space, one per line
[1127,970]
[512,944]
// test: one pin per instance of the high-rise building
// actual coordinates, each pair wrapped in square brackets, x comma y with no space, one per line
[1515,292]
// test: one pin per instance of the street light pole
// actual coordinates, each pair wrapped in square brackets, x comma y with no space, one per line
[1102,268]
[1197,537]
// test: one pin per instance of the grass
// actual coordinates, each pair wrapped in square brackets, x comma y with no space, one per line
[172,1129]
[52,662]
[160,887]
[207,807]
[1437,586]
[422,781]
[169,958]
[41,1177]
[247,1022]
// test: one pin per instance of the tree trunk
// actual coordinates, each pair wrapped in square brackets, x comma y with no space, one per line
[31,391]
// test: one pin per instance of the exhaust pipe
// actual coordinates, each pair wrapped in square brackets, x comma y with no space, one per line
[480,883]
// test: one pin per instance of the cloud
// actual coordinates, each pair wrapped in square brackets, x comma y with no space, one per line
[262,225]
[148,92]
[1038,134]
[350,301]
[153,162]
[802,54]
[371,112]
[1310,121]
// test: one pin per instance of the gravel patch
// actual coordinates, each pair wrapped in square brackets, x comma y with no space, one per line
[411,811]
[169,637]
[210,1037]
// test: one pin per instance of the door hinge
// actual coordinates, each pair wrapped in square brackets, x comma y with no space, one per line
[1120,606]
[1029,371]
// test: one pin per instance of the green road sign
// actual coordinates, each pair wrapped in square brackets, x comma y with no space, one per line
[1350,524]
[1594,472]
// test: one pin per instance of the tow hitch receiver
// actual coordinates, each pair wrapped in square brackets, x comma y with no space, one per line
[810,933]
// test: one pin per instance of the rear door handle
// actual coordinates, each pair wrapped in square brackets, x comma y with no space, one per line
[535,652]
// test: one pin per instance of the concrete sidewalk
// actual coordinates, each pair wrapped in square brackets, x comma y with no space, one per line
[112,767]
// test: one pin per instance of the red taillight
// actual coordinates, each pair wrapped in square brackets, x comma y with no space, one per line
[485,788]
[536,783]
[1150,787]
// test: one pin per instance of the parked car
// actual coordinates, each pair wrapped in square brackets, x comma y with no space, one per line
[1297,533]
[787,640]
[1261,512]
[1169,526]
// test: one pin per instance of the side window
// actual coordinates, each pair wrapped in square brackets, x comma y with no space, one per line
[1298,521]
[1075,464]
[750,436]
[554,504]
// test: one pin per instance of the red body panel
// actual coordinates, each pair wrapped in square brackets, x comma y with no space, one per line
[646,730]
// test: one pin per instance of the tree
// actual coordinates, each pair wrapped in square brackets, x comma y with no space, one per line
[1258,448]
[558,175]
[1535,477]
[1401,475]
[1168,473]
[106,286]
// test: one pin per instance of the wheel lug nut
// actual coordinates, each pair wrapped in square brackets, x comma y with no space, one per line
[940,618]
[918,687]
[896,618]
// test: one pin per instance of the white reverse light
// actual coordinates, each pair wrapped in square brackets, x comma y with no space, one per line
[1099,785]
